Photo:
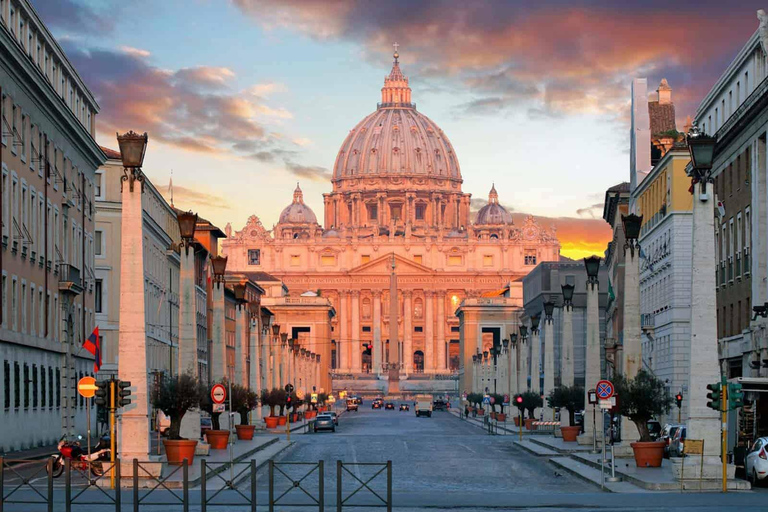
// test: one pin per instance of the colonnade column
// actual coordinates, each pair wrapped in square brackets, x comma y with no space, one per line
[549,365]
[255,349]
[535,356]
[592,363]
[355,342]
[632,349]
[241,344]
[377,349]
[440,303]
[343,343]
[566,351]
[407,332]
[429,338]
[513,372]
[522,376]
[217,359]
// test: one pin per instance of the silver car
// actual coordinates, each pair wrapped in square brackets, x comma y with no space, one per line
[756,461]
[325,422]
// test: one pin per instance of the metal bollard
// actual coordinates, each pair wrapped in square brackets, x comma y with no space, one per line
[185,491]
[135,485]
[271,485]
[203,487]
[118,487]
[50,484]
[68,485]
[389,486]
[321,487]
[338,486]
[253,485]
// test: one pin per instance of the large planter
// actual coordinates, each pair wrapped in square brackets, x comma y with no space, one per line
[493,415]
[245,432]
[500,416]
[294,417]
[570,433]
[322,408]
[648,455]
[480,412]
[529,423]
[310,414]
[271,421]
[218,439]
[281,420]
[178,450]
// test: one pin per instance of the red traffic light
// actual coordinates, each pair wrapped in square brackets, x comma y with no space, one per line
[518,399]
[370,347]
[679,397]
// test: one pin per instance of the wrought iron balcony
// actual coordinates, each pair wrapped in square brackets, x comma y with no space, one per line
[69,279]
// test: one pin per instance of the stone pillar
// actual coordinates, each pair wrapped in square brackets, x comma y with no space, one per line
[187,312]
[566,356]
[345,340]
[535,361]
[512,371]
[274,350]
[355,344]
[264,359]
[255,374]
[632,359]
[703,422]
[549,366]
[218,356]
[440,304]
[407,331]
[592,371]
[132,342]
[241,345]
[522,376]
[377,348]
[429,338]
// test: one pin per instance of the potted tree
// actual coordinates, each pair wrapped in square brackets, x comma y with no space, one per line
[281,400]
[268,398]
[175,396]
[570,398]
[479,404]
[296,402]
[322,398]
[498,401]
[244,400]
[531,401]
[216,437]
[641,399]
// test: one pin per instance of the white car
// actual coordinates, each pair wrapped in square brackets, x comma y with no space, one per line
[756,462]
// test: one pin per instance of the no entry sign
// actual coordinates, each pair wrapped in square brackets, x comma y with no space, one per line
[604,389]
[87,387]
[218,393]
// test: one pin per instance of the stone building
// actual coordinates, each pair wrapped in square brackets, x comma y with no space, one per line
[48,157]
[396,189]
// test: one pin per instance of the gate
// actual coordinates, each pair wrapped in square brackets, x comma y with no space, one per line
[174,498]
[11,466]
[375,497]
[211,476]
[107,499]
[298,482]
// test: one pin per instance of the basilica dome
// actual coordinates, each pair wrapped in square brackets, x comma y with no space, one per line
[396,139]
[493,213]
[297,212]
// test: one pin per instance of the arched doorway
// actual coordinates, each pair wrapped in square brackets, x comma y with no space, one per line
[418,361]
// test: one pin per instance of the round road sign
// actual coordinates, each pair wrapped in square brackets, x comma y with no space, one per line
[218,393]
[87,387]
[604,389]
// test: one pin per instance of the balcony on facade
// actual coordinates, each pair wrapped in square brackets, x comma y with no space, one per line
[69,279]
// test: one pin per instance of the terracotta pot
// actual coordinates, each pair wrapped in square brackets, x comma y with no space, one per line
[529,423]
[570,433]
[178,450]
[245,432]
[500,416]
[480,412]
[294,417]
[218,439]
[310,414]
[517,421]
[271,421]
[322,408]
[492,414]
[281,421]
[648,455]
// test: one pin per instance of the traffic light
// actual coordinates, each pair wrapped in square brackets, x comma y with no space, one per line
[679,400]
[714,396]
[124,394]
[101,393]
[735,395]
[367,347]
[518,400]
[288,401]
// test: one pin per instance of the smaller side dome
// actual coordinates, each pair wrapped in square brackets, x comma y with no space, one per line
[493,213]
[297,212]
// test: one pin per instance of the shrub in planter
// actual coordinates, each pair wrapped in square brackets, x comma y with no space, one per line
[175,396]
[570,398]
[269,398]
[641,399]
[244,400]
[531,402]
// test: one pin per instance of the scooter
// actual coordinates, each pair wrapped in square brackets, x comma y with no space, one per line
[79,457]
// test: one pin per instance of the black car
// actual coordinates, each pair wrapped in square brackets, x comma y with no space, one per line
[405,407]
[376,405]
[390,405]
[439,405]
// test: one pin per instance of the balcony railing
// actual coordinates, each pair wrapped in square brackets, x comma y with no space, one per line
[69,279]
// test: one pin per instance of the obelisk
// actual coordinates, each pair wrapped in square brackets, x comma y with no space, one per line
[394,344]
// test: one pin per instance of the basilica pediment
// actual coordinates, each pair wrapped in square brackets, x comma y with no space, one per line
[383,265]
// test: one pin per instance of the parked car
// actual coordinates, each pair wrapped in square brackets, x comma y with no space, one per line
[335,417]
[654,429]
[375,404]
[667,434]
[439,405]
[405,407]
[390,406]
[756,462]
[324,421]
[677,445]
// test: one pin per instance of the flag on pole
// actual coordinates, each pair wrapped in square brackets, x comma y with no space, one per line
[93,345]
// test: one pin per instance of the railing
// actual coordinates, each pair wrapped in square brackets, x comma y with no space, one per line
[69,278]
[86,470]
[228,494]
[297,483]
[395,104]
[365,485]
[175,498]
[26,482]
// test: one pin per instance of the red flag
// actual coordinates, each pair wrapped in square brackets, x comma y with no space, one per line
[93,345]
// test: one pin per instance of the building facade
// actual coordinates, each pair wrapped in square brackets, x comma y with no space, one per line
[396,190]
[48,157]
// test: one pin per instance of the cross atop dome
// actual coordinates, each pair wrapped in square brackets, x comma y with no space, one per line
[396,92]
[493,196]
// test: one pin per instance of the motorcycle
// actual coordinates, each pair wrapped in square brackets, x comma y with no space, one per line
[79,457]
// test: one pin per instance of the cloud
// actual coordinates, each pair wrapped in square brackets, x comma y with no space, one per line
[310,172]
[205,76]
[590,211]
[136,52]
[185,198]
[78,16]
[266,89]
[476,203]
[578,237]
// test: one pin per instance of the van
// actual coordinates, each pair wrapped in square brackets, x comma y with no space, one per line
[423,405]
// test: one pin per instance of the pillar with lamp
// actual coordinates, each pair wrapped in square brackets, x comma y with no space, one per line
[273,358]
[187,295]
[535,354]
[241,334]
[549,358]
[632,347]
[566,349]
[512,359]
[254,341]
[217,359]
[522,374]
[506,370]
[592,363]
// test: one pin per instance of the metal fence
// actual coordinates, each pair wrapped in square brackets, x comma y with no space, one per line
[228,478]
[39,495]
[364,484]
[298,482]
[75,494]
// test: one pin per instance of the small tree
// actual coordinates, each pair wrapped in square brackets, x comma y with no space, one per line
[532,401]
[570,398]
[521,407]
[322,398]
[280,398]
[642,399]
[267,399]
[475,399]
[244,400]
[175,396]
[497,400]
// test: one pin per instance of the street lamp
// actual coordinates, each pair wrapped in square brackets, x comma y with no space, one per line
[284,337]
[132,149]
[523,332]
[239,290]
[219,264]
[187,223]
[567,295]
[513,339]
[535,323]
[549,308]
[275,329]
[592,265]
[702,149]
[505,343]
[632,224]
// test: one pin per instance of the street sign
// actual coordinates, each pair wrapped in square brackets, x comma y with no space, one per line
[606,403]
[486,399]
[313,398]
[300,395]
[332,399]
[218,407]
[289,388]
[87,387]
[218,393]
[604,389]
[506,399]
[592,397]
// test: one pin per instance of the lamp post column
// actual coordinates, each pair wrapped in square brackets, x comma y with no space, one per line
[549,364]
[377,348]
[218,356]
[592,370]
[354,343]
[255,348]
[632,347]
[343,345]
[522,376]
[513,370]
[535,356]
[566,351]
[407,332]
[429,330]
[187,312]
[241,345]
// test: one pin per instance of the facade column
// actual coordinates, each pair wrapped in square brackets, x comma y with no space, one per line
[512,371]
[377,349]
[407,332]
[549,366]
[632,347]
[522,376]
[440,304]
[703,422]
[429,338]
[241,345]
[266,368]
[343,344]
[217,359]
[355,344]
[274,352]
[187,312]
[592,363]
[566,355]
[132,346]
[535,360]
[255,374]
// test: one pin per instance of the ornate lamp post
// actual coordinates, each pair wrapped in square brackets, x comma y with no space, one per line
[592,370]
[631,361]
[241,335]
[703,423]
[566,354]
[187,295]
[512,362]
[254,340]
[132,149]
[522,381]
[549,357]
[535,354]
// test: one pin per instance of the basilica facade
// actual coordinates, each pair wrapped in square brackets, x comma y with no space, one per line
[396,195]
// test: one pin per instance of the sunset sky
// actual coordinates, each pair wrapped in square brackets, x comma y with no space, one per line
[243,98]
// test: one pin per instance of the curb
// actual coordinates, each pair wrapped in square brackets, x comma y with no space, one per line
[239,458]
